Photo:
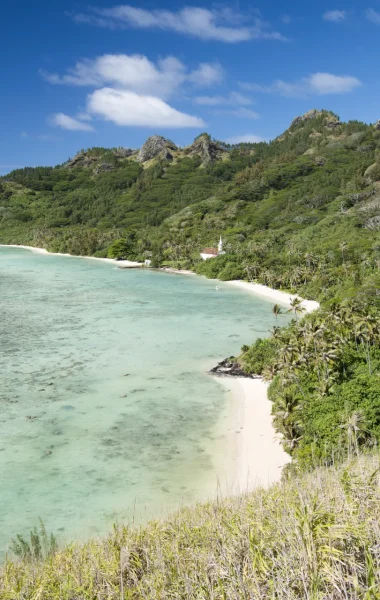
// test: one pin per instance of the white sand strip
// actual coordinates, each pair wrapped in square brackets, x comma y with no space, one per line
[258,289]
[275,295]
[118,263]
[278,296]
[258,456]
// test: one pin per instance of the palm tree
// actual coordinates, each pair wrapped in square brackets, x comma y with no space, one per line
[276,310]
[342,247]
[355,428]
[296,307]
[269,372]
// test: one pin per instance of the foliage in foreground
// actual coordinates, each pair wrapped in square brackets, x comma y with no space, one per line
[308,538]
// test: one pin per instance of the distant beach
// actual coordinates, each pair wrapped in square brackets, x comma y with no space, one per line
[121,263]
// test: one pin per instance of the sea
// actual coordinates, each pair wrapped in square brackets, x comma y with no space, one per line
[107,411]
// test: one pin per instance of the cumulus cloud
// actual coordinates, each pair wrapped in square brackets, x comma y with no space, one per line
[325,83]
[137,73]
[206,74]
[320,84]
[373,16]
[66,122]
[335,16]
[247,138]
[124,107]
[193,21]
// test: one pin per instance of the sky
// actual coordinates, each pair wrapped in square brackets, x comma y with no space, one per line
[77,74]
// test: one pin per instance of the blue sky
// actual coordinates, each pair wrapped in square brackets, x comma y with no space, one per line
[75,75]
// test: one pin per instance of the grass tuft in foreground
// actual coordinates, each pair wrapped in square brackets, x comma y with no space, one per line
[313,537]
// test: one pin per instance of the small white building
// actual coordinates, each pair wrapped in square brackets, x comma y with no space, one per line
[212,252]
[147,262]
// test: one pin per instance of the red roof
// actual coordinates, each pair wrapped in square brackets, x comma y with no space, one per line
[210,251]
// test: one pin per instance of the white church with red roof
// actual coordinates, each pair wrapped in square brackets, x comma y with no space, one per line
[212,252]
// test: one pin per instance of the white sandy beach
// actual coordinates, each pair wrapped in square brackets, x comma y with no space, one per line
[278,296]
[257,454]
[118,263]
[275,295]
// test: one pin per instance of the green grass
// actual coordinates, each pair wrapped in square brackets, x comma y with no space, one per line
[314,537]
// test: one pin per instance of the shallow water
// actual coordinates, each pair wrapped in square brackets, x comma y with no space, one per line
[107,413]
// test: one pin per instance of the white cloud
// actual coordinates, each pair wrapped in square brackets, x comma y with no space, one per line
[83,116]
[24,135]
[373,16]
[206,74]
[66,122]
[286,19]
[248,138]
[124,107]
[320,84]
[245,113]
[193,21]
[132,90]
[232,98]
[325,83]
[137,73]
[335,16]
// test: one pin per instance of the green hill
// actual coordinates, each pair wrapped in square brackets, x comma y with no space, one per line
[307,191]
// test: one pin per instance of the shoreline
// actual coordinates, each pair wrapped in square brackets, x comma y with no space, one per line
[254,455]
[118,263]
[258,457]
[257,289]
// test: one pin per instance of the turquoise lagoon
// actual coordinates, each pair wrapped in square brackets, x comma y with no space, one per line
[107,412]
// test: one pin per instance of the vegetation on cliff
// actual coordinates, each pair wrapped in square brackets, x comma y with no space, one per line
[315,536]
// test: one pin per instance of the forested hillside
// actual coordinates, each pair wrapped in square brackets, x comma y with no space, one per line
[301,213]
[306,192]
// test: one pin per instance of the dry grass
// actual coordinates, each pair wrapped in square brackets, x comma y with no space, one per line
[316,537]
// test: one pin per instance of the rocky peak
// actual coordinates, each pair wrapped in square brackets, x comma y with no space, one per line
[330,120]
[156,146]
[88,159]
[377,125]
[204,147]
[311,114]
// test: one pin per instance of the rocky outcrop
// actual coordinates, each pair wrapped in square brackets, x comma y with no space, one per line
[377,125]
[208,150]
[156,146]
[124,152]
[230,368]
[373,172]
[82,160]
[103,167]
[330,121]
[311,114]
[87,160]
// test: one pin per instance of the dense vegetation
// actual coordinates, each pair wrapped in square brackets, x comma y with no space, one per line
[308,538]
